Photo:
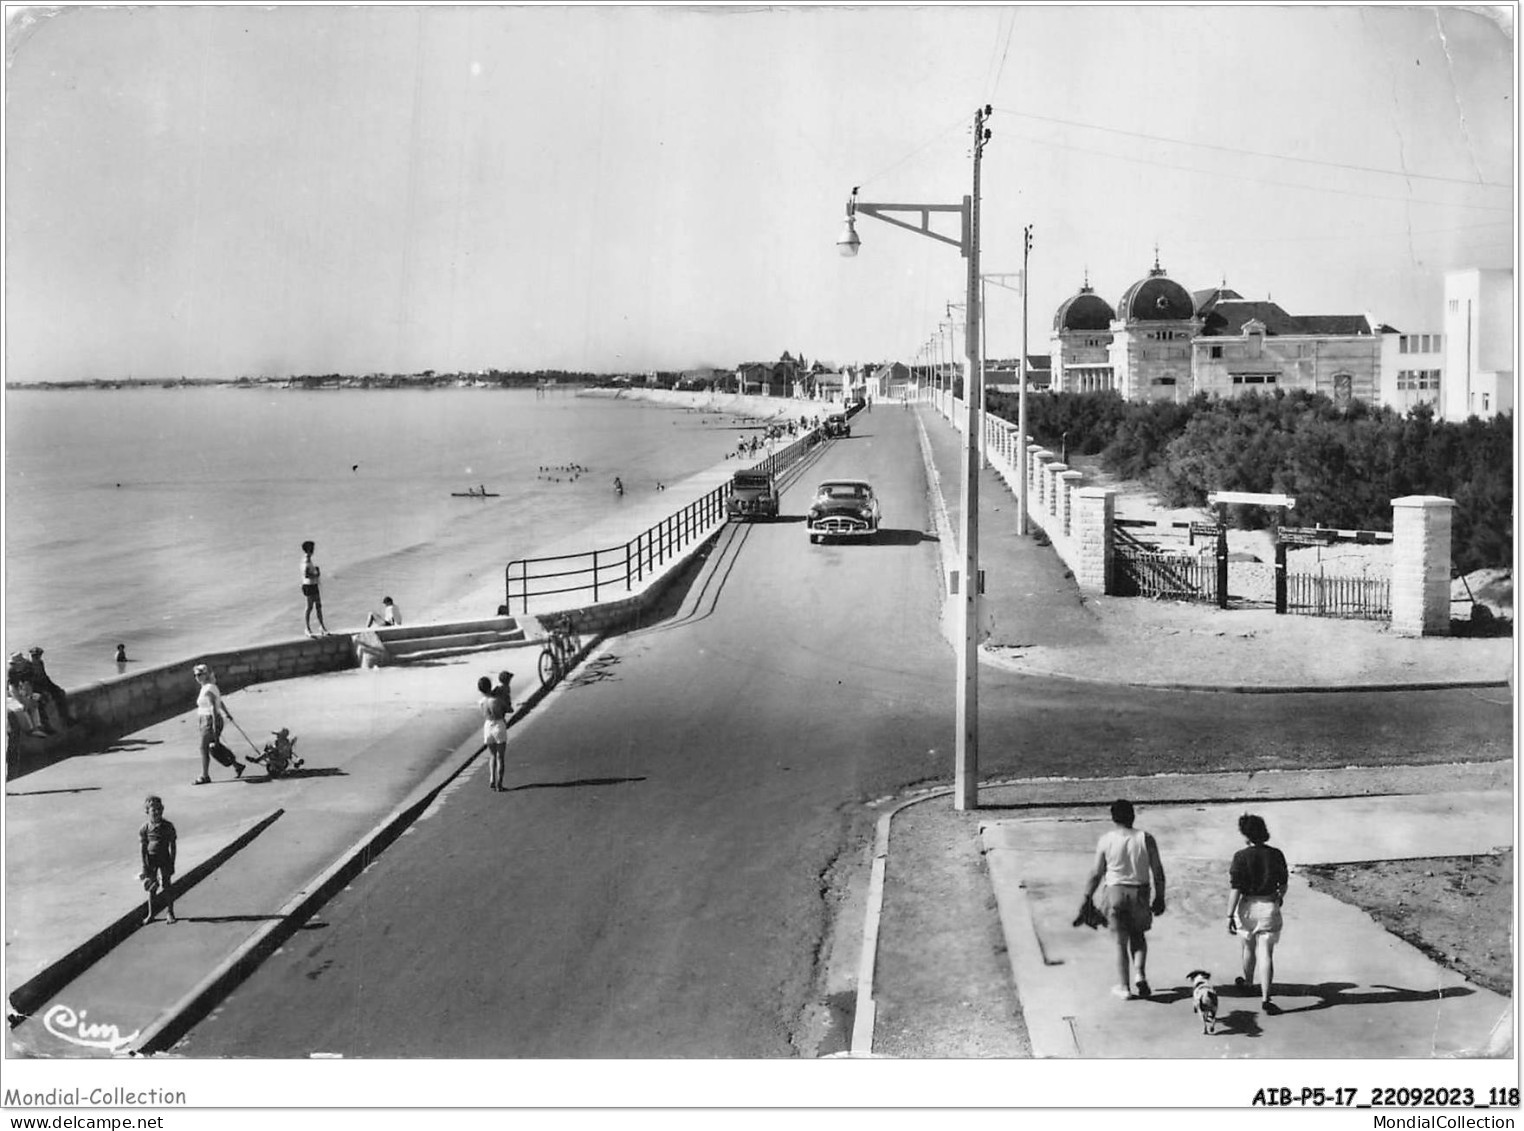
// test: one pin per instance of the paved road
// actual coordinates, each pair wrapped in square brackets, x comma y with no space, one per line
[653,883]
[658,882]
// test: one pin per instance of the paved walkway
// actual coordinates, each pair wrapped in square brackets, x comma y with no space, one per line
[1346,988]
[381,744]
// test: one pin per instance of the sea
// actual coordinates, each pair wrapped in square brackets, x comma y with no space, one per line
[171,519]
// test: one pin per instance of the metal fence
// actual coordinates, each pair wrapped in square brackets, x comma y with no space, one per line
[598,573]
[1182,577]
[1354,598]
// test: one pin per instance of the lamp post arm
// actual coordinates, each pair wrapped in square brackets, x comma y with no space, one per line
[881,211]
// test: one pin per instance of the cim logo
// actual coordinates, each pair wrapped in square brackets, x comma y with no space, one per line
[66,1025]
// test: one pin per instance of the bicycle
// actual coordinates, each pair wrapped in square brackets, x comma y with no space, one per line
[560,647]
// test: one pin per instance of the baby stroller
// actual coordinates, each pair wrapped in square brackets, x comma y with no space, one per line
[279,755]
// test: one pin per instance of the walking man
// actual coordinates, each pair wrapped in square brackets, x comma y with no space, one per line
[1127,859]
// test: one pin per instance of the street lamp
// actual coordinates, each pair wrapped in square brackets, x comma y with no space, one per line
[966,755]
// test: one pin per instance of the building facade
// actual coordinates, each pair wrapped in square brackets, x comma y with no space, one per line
[1081,344]
[1412,369]
[1163,342]
[1151,335]
[1478,344]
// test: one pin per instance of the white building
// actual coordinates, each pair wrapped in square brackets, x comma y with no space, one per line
[1412,369]
[1478,344]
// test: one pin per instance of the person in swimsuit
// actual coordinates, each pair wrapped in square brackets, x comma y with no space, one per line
[310,575]
[493,708]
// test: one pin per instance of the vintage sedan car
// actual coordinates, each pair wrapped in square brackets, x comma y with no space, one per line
[753,494]
[843,508]
[836,425]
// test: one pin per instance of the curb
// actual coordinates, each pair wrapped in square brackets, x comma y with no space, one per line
[25,998]
[865,1010]
[1248,688]
[175,1021]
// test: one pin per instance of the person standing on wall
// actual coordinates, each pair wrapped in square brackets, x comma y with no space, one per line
[310,575]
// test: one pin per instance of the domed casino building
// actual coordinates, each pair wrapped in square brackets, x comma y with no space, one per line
[1151,335]
[1081,343]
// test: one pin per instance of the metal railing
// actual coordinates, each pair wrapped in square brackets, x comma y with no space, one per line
[623,567]
[1353,598]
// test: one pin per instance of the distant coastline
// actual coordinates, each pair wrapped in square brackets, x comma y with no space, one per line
[428,379]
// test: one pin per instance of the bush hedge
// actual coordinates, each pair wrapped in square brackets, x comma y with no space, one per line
[1343,465]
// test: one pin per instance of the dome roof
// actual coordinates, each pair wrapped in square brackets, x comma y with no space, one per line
[1157,298]
[1084,311]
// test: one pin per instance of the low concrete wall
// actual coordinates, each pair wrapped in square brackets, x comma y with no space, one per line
[125,703]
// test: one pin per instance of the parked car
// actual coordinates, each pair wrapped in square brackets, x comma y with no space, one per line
[836,425]
[753,494]
[843,508]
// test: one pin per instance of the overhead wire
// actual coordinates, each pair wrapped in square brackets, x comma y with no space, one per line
[1264,180]
[1468,182]
[940,135]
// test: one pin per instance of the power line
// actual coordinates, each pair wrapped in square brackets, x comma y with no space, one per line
[1010,28]
[1263,180]
[939,136]
[1258,153]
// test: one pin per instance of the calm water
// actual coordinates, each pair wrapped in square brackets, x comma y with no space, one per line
[171,520]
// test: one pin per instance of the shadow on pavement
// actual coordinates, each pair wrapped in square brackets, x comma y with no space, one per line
[571,784]
[42,792]
[1330,994]
[292,775]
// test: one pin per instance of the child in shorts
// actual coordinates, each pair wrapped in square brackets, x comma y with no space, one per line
[158,844]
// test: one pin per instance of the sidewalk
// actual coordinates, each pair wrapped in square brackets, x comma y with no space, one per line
[1043,625]
[1346,988]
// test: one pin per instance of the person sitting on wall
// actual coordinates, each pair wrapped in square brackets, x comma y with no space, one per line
[388,617]
[18,687]
[44,686]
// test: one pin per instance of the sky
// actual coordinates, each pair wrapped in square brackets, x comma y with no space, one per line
[215,192]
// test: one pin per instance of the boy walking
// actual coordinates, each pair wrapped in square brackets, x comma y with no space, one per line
[157,841]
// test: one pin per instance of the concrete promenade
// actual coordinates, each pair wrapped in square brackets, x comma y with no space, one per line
[382,744]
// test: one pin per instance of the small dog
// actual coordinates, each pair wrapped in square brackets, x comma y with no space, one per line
[1204,999]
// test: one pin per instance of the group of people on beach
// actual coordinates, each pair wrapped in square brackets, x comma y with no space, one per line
[1128,873]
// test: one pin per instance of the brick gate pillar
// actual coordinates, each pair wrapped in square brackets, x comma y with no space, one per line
[1037,492]
[1068,484]
[1421,565]
[1094,512]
